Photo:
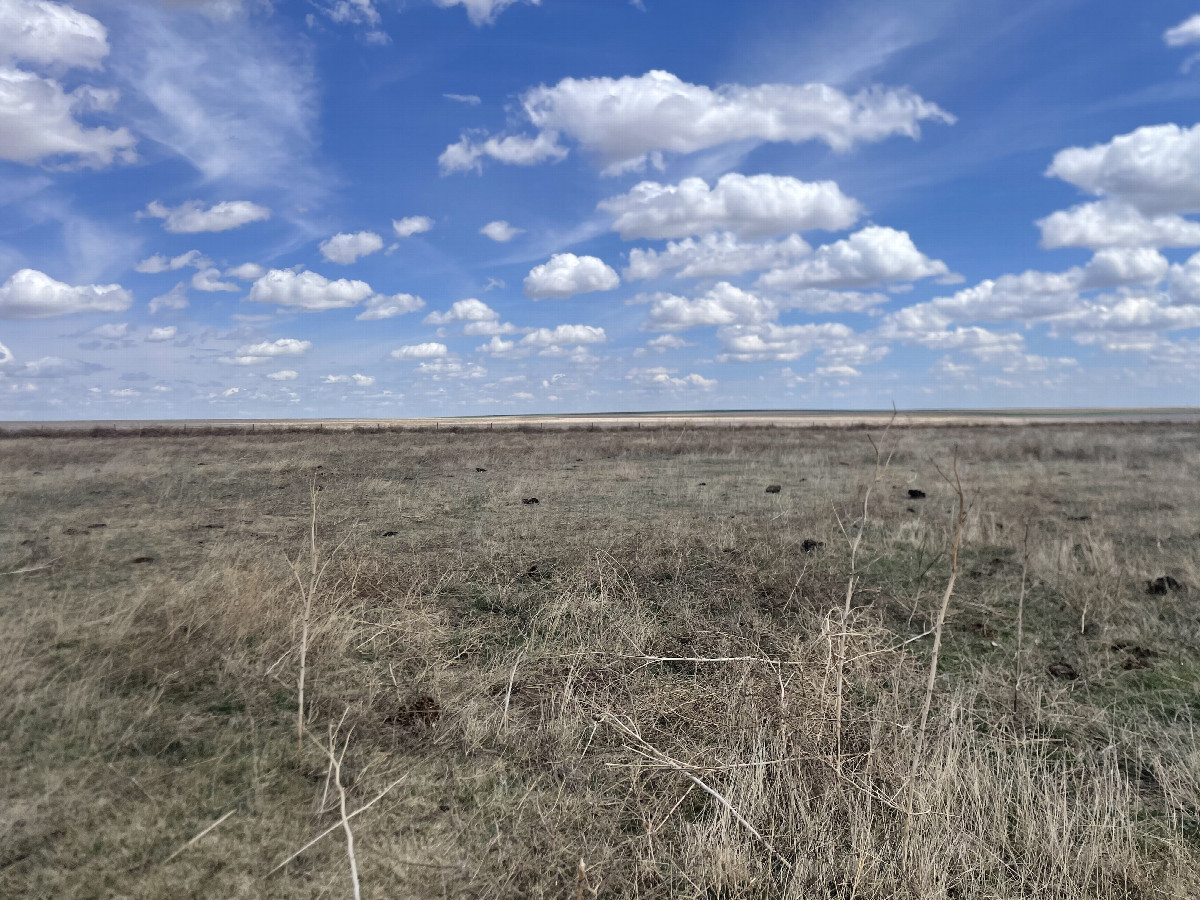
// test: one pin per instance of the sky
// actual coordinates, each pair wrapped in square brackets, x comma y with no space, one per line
[394,208]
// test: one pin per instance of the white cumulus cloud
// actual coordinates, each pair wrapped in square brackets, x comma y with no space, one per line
[38,122]
[873,255]
[246,272]
[158,335]
[38,118]
[428,350]
[356,380]
[194,217]
[625,122]
[348,248]
[1184,281]
[1108,223]
[387,306]
[564,334]
[1186,32]
[749,205]
[497,346]
[716,255]
[50,34]
[210,280]
[566,275]
[500,231]
[284,375]
[661,377]
[159,263]
[410,225]
[281,347]
[482,12]
[175,298]
[476,317]
[723,304]
[307,291]
[1155,169]
[111,331]
[30,294]
[1122,266]
[771,342]
[515,150]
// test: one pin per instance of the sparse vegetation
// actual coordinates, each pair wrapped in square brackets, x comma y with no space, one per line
[660,680]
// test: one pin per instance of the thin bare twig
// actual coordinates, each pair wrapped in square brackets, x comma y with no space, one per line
[941,619]
[340,824]
[508,694]
[336,762]
[938,627]
[307,595]
[1021,619]
[651,751]
[194,840]
[881,466]
[28,569]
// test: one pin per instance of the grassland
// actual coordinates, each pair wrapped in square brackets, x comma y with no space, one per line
[658,681]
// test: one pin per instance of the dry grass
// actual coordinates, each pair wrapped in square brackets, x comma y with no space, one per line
[639,687]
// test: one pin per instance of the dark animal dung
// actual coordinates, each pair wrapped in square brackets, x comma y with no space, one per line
[1162,584]
[478,469]
[422,711]
[1063,670]
[915,494]
[530,501]
[810,545]
[774,488]
[391,533]
[143,559]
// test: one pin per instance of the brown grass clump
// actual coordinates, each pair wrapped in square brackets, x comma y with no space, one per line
[641,686]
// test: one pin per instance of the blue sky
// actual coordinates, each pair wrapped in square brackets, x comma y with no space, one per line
[227,208]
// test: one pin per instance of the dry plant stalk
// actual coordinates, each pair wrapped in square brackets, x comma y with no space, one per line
[335,764]
[941,619]
[306,593]
[1021,619]
[197,838]
[340,824]
[938,627]
[881,466]
[648,750]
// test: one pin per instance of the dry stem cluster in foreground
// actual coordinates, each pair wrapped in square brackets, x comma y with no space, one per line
[657,681]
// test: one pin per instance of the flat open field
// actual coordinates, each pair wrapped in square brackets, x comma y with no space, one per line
[659,680]
[707,419]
